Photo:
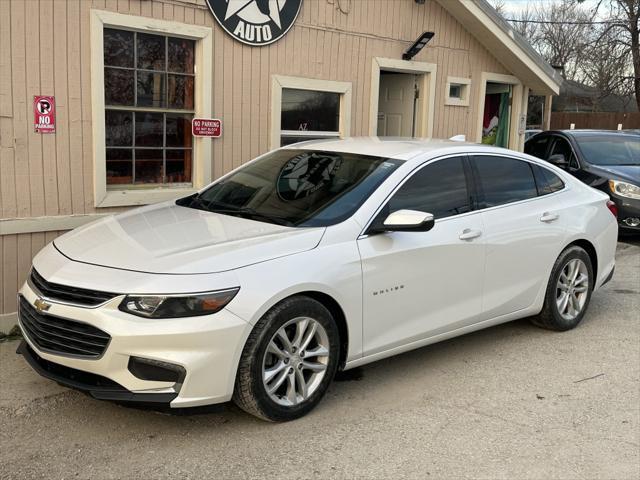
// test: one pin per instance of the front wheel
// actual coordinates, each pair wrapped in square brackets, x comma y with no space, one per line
[288,361]
[568,292]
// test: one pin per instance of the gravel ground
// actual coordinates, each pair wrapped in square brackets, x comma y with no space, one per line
[508,402]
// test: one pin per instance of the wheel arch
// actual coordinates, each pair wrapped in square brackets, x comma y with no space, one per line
[588,247]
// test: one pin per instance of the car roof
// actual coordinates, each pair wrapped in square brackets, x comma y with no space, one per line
[401,148]
[588,132]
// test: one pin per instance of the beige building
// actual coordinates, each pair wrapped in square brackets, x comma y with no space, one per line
[128,77]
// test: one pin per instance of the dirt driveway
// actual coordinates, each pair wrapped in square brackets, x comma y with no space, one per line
[509,402]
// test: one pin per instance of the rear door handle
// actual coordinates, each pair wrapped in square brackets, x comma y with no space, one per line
[468,234]
[548,217]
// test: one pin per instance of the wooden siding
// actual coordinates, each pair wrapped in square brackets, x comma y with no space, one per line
[45,49]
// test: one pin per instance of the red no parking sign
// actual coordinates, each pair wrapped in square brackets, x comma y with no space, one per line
[44,114]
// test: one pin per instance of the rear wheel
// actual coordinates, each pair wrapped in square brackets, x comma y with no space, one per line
[288,361]
[568,292]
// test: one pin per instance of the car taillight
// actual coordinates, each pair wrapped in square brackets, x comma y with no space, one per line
[612,208]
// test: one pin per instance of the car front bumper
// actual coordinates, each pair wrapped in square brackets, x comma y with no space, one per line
[628,213]
[206,349]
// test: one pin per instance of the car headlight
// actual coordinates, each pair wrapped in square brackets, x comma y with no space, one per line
[624,189]
[175,306]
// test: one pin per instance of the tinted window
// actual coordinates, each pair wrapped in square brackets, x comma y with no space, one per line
[504,180]
[537,146]
[299,188]
[439,188]
[563,147]
[546,180]
[308,110]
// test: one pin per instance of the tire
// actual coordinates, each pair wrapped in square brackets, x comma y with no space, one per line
[552,317]
[260,360]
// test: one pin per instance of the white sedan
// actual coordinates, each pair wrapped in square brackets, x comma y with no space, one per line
[312,258]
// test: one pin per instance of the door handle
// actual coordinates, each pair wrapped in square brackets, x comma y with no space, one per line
[549,217]
[468,234]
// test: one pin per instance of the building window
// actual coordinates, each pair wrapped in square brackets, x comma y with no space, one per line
[457,91]
[309,109]
[149,86]
[150,78]
[309,115]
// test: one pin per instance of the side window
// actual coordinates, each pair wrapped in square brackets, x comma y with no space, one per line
[562,146]
[440,188]
[537,146]
[503,180]
[547,181]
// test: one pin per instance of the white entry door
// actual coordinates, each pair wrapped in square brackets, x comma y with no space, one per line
[396,104]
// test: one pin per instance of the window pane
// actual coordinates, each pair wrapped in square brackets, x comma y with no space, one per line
[118,48]
[118,128]
[553,181]
[439,189]
[151,89]
[151,52]
[537,146]
[504,180]
[118,86]
[455,91]
[181,55]
[180,91]
[149,129]
[178,166]
[119,166]
[178,131]
[149,166]
[310,110]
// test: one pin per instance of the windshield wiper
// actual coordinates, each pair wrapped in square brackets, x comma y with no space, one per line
[251,214]
[245,212]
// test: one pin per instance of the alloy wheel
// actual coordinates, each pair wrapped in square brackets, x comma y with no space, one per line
[295,361]
[572,289]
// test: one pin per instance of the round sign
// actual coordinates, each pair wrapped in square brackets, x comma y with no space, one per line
[305,174]
[255,22]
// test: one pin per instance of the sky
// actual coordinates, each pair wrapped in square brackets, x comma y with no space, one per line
[517,5]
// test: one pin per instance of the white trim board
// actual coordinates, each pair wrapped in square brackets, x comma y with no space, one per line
[425,109]
[278,82]
[202,156]
[14,226]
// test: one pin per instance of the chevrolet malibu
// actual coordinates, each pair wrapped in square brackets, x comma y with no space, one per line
[313,258]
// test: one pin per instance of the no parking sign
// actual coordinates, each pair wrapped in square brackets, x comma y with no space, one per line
[44,114]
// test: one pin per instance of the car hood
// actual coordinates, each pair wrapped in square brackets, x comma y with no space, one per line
[167,238]
[625,173]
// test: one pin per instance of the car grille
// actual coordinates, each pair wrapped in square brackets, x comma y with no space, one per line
[61,336]
[64,293]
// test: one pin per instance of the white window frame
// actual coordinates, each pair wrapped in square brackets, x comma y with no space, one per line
[425,107]
[278,82]
[465,88]
[519,96]
[201,169]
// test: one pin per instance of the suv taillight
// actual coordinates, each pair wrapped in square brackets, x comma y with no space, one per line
[612,208]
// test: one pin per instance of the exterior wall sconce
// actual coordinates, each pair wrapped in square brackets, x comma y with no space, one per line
[418,45]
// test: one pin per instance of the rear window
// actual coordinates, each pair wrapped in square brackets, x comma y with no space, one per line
[504,180]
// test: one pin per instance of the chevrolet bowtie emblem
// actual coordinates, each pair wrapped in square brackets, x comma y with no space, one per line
[41,305]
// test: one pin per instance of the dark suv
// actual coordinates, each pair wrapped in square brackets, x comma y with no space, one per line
[606,160]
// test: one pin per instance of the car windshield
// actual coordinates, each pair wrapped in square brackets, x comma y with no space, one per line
[612,149]
[298,188]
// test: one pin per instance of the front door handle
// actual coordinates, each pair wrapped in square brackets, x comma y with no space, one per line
[549,217]
[468,234]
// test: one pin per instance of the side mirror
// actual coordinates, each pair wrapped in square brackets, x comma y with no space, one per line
[559,160]
[406,221]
